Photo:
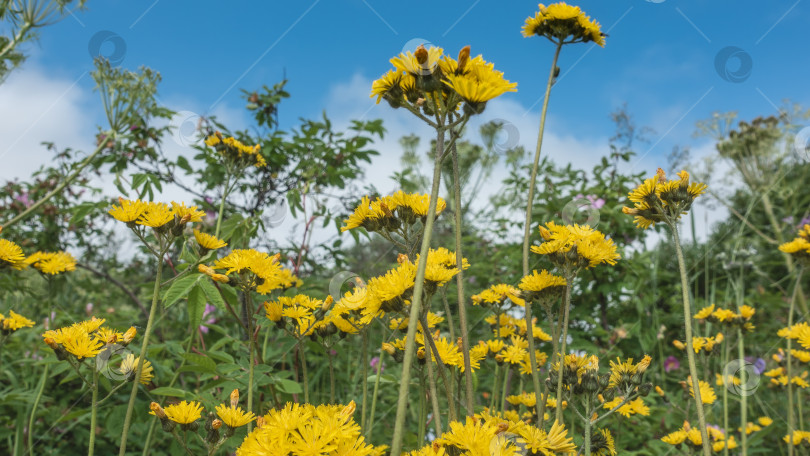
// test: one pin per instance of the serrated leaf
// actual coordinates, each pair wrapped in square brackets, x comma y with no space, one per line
[196,306]
[212,294]
[179,289]
[202,361]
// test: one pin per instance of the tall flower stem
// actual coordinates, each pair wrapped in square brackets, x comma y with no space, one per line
[563,332]
[527,230]
[34,407]
[587,441]
[791,416]
[690,351]
[303,360]
[416,305]
[743,371]
[70,178]
[364,360]
[462,302]
[222,202]
[252,354]
[144,345]
[434,396]
[533,179]
[94,414]
[725,396]
[370,422]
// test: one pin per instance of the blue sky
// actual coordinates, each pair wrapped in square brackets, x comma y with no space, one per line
[660,59]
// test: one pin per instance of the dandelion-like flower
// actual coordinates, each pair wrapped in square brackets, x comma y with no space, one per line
[184,412]
[660,200]
[563,23]
[208,241]
[129,366]
[14,321]
[576,246]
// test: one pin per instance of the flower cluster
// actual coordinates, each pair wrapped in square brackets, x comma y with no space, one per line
[390,213]
[701,344]
[563,23]
[504,326]
[11,255]
[575,246]
[304,429]
[187,413]
[660,200]
[500,296]
[232,149]
[251,270]
[302,314]
[428,80]
[727,317]
[799,247]
[484,435]
[159,216]
[691,438]
[13,322]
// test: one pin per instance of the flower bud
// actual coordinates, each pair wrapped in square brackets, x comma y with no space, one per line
[645,389]
[327,303]
[234,398]
[388,348]
[129,336]
[463,58]
[155,407]
[348,411]
[421,54]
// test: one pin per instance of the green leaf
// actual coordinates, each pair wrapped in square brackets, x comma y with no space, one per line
[202,361]
[288,386]
[81,211]
[166,391]
[212,294]
[196,306]
[179,289]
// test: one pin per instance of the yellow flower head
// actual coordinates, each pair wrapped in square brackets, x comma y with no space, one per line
[129,366]
[234,416]
[128,211]
[14,321]
[707,395]
[563,23]
[659,200]
[52,262]
[11,254]
[184,412]
[208,241]
[576,245]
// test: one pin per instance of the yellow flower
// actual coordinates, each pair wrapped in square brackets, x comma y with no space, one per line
[184,412]
[675,438]
[129,366]
[128,211]
[658,200]
[481,84]
[441,266]
[707,395]
[208,241]
[387,84]
[704,312]
[498,294]
[421,62]
[12,254]
[81,345]
[53,262]
[155,215]
[188,214]
[537,282]
[591,246]
[273,310]
[234,416]
[560,22]
[14,321]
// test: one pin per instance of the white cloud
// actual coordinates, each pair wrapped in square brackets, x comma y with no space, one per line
[37,107]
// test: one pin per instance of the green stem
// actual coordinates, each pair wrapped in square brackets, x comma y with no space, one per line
[533,356]
[690,352]
[422,411]
[533,179]
[541,411]
[32,418]
[416,305]
[94,415]
[462,306]
[504,391]
[144,345]
[61,185]
[370,423]
[725,397]
[561,356]
[252,350]
[364,360]
[222,202]
[332,381]
[494,387]
[303,360]
[434,397]
[587,441]
[791,417]
[431,346]
[744,404]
